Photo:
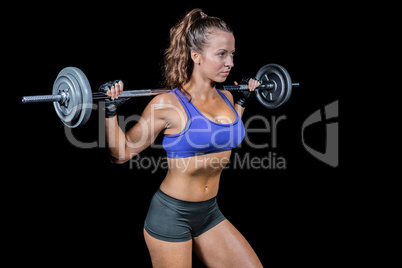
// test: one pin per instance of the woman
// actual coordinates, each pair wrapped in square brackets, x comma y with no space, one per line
[200,125]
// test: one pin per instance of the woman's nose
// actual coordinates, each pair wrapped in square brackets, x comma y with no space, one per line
[229,62]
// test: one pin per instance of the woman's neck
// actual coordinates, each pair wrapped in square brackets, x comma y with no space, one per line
[200,88]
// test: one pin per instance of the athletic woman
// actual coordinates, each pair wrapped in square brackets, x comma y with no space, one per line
[201,125]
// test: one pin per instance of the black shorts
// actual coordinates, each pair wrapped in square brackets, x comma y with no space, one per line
[175,220]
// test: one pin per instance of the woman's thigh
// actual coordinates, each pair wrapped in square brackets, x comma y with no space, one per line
[225,246]
[169,254]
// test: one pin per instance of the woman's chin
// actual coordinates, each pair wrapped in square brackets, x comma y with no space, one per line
[221,79]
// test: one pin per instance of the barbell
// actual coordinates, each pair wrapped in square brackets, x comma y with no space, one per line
[73,99]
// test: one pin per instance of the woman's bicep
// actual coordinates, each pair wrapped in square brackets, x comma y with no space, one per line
[146,130]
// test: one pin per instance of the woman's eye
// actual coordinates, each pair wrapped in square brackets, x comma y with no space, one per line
[223,53]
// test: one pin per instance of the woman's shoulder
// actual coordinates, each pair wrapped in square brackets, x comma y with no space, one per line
[165,102]
[166,106]
[228,95]
[169,97]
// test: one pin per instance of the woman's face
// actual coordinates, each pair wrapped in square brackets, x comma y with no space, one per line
[216,60]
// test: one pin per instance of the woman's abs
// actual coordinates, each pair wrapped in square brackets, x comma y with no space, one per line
[195,178]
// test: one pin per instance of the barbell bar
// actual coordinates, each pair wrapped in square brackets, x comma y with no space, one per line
[73,99]
[151,92]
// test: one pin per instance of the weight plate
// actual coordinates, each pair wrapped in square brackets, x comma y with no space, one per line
[77,109]
[279,95]
[68,110]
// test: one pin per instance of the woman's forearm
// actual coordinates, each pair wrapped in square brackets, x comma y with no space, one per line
[116,140]
[239,109]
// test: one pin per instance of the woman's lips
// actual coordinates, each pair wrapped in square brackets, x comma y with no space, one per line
[225,73]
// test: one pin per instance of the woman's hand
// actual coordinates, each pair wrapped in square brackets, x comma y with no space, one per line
[113,90]
[244,96]
[252,84]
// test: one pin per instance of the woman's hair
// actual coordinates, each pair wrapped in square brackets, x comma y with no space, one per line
[190,33]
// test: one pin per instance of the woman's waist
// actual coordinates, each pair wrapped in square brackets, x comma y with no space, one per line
[160,194]
[190,188]
[210,164]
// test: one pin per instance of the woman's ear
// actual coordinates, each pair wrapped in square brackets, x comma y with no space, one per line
[195,56]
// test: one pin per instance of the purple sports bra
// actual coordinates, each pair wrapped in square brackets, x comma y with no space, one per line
[202,135]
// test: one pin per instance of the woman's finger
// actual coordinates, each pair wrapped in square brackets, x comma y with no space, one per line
[252,84]
[113,92]
[121,87]
[117,90]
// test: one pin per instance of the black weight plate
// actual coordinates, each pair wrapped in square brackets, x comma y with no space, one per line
[279,95]
[77,110]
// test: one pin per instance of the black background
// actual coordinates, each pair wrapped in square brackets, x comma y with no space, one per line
[69,205]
